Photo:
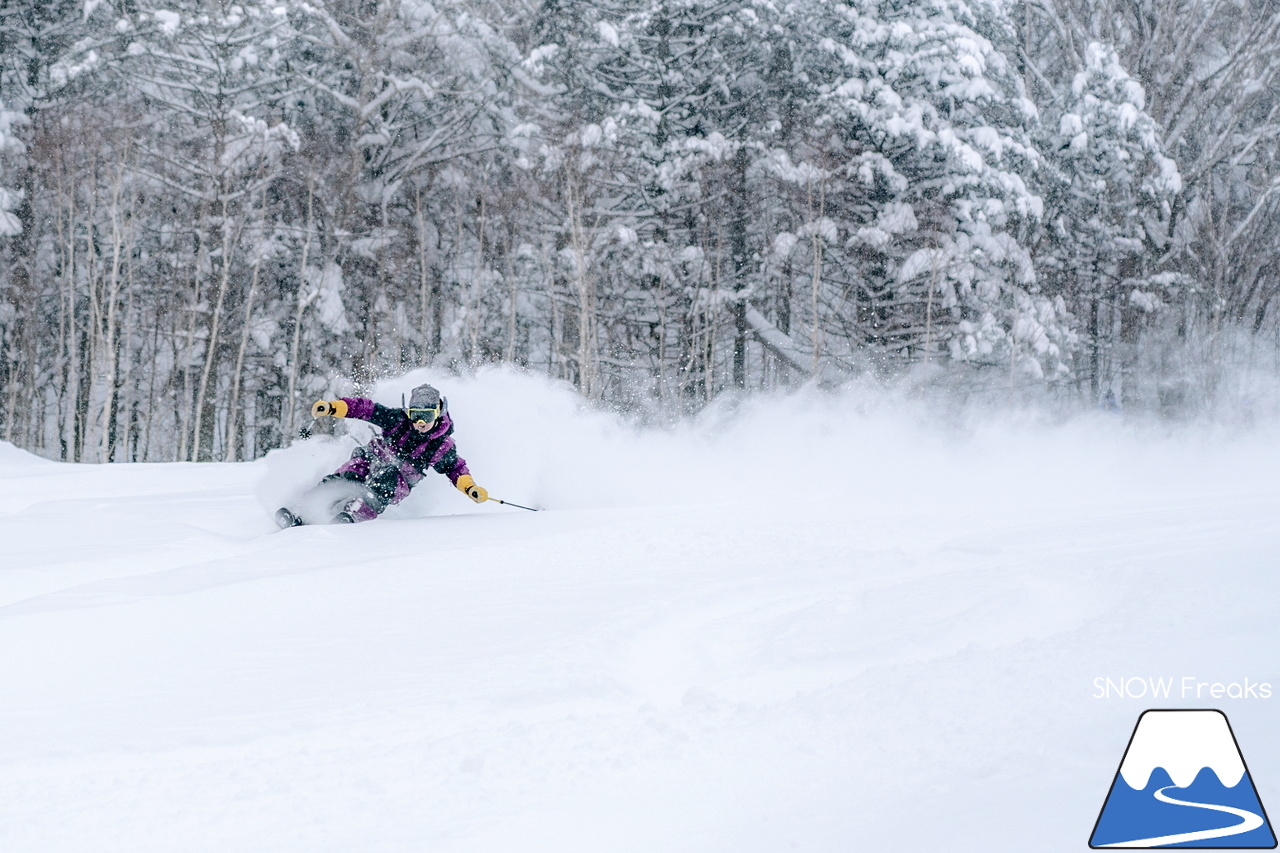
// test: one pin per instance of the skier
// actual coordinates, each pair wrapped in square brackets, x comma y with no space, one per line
[382,472]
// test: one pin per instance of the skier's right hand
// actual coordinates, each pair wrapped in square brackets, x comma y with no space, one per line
[326,408]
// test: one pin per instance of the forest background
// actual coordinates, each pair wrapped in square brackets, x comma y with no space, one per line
[212,213]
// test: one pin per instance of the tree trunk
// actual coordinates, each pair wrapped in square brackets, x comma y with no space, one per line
[203,433]
[738,252]
[815,285]
[187,415]
[111,355]
[290,413]
[233,407]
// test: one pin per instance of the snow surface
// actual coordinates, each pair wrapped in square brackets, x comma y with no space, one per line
[815,623]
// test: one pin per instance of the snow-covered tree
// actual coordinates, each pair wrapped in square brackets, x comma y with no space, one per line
[657,122]
[923,187]
[1111,190]
[397,95]
[1209,72]
[209,75]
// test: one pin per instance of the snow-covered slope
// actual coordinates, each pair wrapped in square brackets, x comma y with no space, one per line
[813,623]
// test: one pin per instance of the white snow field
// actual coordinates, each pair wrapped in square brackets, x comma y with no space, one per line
[814,623]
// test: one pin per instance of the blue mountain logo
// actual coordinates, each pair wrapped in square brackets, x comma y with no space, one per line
[1183,783]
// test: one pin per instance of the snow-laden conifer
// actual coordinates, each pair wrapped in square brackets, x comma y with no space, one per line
[1111,189]
[923,128]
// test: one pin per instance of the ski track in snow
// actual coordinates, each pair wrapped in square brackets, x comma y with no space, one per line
[694,647]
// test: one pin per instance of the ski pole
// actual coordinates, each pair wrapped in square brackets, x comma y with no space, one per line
[509,503]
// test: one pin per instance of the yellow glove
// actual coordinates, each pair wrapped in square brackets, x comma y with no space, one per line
[469,488]
[325,408]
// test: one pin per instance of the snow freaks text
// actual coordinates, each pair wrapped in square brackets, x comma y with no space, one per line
[1186,687]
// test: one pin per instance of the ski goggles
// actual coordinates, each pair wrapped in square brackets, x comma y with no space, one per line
[424,415]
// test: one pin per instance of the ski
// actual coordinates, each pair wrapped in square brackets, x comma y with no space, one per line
[286,518]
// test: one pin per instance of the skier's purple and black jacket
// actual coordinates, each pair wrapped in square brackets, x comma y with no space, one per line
[393,463]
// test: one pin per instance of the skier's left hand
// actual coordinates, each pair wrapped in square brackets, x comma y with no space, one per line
[469,488]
